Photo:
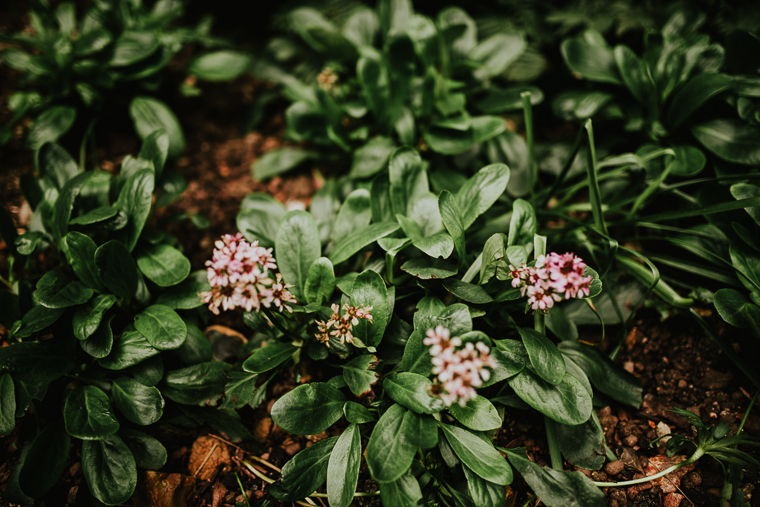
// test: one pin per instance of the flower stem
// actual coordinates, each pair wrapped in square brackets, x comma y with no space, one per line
[694,457]
[277,324]
[528,116]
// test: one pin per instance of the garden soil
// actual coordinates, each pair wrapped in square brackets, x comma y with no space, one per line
[677,363]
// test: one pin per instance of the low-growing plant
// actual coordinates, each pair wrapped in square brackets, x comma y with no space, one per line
[115,52]
[104,335]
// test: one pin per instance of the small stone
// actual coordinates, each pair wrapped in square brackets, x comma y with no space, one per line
[628,366]
[682,384]
[631,440]
[614,467]
[714,380]
[672,500]
[691,480]
[663,429]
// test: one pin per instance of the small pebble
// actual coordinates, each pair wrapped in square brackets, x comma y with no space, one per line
[614,467]
[631,440]
[691,480]
[672,500]
[682,384]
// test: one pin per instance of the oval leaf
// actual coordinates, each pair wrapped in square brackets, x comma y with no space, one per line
[140,404]
[389,453]
[343,467]
[309,409]
[479,455]
[149,115]
[88,414]
[162,327]
[109,469]
[163,265]
[269,357]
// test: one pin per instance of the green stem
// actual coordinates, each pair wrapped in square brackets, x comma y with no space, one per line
[242,489]
[694,457]
[563,173]
[746,414]
[528,115]
[593,183]
[277,324]
[358,493]
[607,451]
[83,146]
[529,501]
[553,441]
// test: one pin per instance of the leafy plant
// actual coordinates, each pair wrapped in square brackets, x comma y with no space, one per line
[107,340]
[115,50]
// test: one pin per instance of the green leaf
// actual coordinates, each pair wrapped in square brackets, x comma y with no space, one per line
[389,453]
[64,203]
[736,309]
[359,374]
[479,414]
[747,191]
[197,347]
[128,350]
[239,389]
[155,148]
[162,327]
[7,405]
[354,214]
[109,469]
[732,140]
[467,291]
[408,180]
[133,46]
[149,115]
[45,460]
[196,384]
[309,409]
[689,161]
[147,451]
[343,467]
[369,290]
[522,226]
[556,488]
[356,413]
[579,105]
[88,414]
[100,343]
[482,492]
[135,200]
[452,220]
[567,402]
[426,270]
[413,392]
[693,94]
[296,248]
[320,281]
[355,242]
[278,161]
[305,472]
[224,65]
[80,252]
[496,53]
[420,429]
[635,74]
[56,290]
[591,57]
[456,318]
[149,372]
[438,245]
[481,191]
[502,100]
[371,158]
[544,355]
[56,164]
[50,125]
[478,454]
[269,357]
[163,265]
[101,214]
[140,404]
[582,445]
[747,262]
[185,295]
[403,492]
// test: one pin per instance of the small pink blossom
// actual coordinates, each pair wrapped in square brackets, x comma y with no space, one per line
[341,326]
[552,277]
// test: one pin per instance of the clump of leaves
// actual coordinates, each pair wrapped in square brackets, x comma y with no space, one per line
[113,49]
[106,342]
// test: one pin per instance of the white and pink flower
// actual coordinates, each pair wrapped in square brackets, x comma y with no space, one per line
[552,277]
[341,326]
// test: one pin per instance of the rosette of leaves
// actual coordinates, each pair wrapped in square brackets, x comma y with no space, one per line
[369,81]
[683,87]
[73,65]
[416,258]
[107,341]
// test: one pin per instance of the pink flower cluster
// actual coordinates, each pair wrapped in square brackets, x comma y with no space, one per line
[460,369]
[553,276]
[240,276]
[341,326]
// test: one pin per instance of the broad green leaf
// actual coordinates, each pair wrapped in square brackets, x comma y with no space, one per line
[373,80]
[149,115]
[425,269]
[482,492]
[56,290]
[452,220]
[413,392]
[389,454]
[80,252]
[133,46]
[439,245]
[493,257]
[135,200]
[485,128]
[737,309]
[128,350]
[478,414]
[747,191]
[343,467]
[369,290]
[162,327]
[196,348]
[88,414]
[361,27]
[45,460]
[746,262]
[481,191]
[35,361]
[109,469]
[37,319]
[689,161]
[467,291]
[359,374]
[567,402]
[357,414]
[65,202]
[150,371]
[479,455]
[140,404]
[309,409]
[239,389]
[544,355]
[732,140]
[635,74]
[579,105]
[56,163]
[591,57]
[403,492]
[297,246]
[582,445]
[223,65]
[185,295]
[50,125]
[355,242]
[693,94]
[320,281]
[408,180]
[372,157]
[354,214]
[278,161]
[101,214]
[557,488]
[523,225]
[456,318]
[502,100]
[164,265]
[305,472]
[100,343]
[148,452]
[7,405]
[196,384]
[269,357]
[420,429]
[496,53]
[155,148]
